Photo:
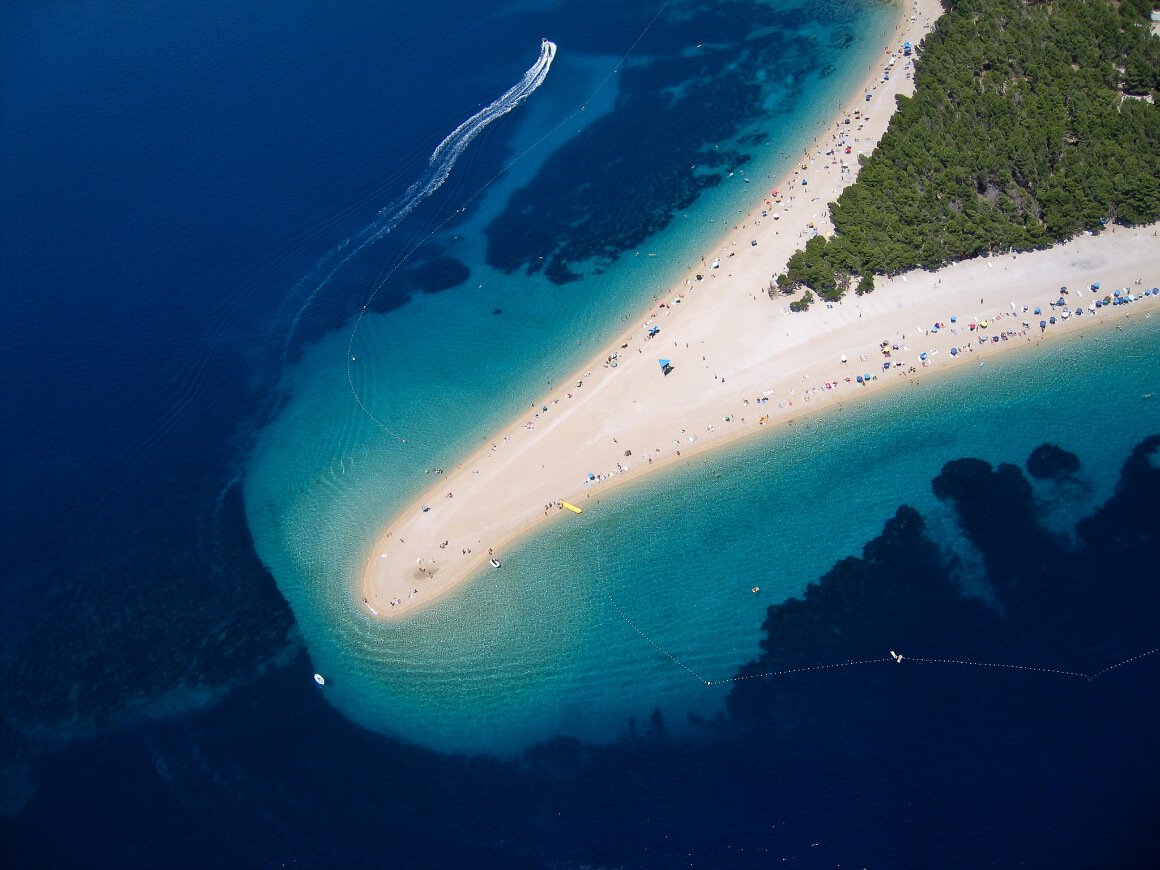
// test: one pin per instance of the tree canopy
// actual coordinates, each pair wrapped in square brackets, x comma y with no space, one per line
[1030,122]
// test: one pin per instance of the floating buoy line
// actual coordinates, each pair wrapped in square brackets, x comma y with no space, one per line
[892,657]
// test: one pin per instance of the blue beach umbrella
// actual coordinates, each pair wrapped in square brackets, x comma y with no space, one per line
[922,355]
[1038,310]
[954,351]
[1043,323]
[1052,320]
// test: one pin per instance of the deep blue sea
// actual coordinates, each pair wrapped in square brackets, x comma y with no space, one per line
[264,264]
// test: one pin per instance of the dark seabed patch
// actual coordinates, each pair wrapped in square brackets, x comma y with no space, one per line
[1048,461]
[163,625]
[1003,716]
[595,199]
[381,285]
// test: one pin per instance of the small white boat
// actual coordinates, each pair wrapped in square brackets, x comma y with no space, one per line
[496,563]
[321,680]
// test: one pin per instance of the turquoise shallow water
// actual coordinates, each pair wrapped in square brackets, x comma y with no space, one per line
[629,607]
[176,170]
[634,605]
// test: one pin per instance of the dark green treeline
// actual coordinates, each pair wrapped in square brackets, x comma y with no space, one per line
[1026,127]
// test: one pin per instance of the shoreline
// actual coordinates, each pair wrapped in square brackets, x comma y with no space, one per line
[758,355]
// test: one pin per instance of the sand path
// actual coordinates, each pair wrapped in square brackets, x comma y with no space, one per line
[742,364]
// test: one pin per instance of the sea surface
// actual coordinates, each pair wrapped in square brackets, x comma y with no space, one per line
[266,266]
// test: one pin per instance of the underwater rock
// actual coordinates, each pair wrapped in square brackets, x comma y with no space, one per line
[1050,462]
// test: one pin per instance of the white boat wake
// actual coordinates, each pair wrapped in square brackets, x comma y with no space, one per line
[439,166]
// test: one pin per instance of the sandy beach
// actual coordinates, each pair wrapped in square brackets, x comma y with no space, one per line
[742,363]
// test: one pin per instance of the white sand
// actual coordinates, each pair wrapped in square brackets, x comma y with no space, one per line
[731,347]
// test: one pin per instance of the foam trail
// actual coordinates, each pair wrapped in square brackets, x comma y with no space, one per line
[439,166]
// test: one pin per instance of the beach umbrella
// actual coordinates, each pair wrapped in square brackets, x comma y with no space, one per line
[859,379]
[954,318]
[1051,320]
[1116,293]
[954,351]
[843,357]
[922,355]
[1043,324]
[1096,286]
[1038,310]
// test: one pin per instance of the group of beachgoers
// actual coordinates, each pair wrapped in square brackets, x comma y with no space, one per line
[1028,322]
[861,369]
